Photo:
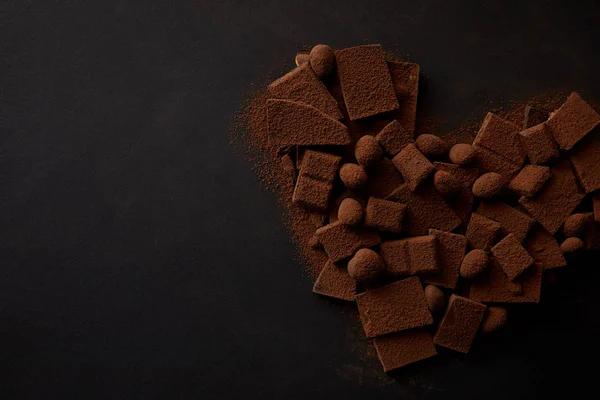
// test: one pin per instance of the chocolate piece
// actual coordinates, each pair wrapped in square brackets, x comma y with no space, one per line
[435,298]
[511,219]
[367,152]
[341,241]
[494,319]
[530,180]
[502,138]
[488,161]
[534,116]
[392,308]
[596,203]
[365,266]
[572,245]
[462,154]
[322,60]
[556,200]
[585,158]
[431,146]
[493,286]
[384,215]
[512,257]
[462,202]
[488,185]
[402,348]
[320,166]
[539,144]
[312,193]
[353,176]
[544,249]
[396,258]
[301,58]
[366,81]
[576,225]
[474,263]
[334,281]
[350,212]
[384,179]
[572,121]
[405,78]
[446,184]
[422,254]
[451,250]
[413,165]
[394,138]
[425,209]
[460,324]
[294,123]
[482,232]
[302,85]
[287,165]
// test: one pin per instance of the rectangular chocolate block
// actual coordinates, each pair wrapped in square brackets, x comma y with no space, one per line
[384,179]
[334,281]
[488,161]
[341,241]
[512,257]
[572,121]
[460,324]
[366,82]
[585,157]
[396,257]
[393,308]
[539,144]
[312,193]
[493,286]
[422,253]
[534,116]
[319,165]
[402,348]
[502,138]
[384,215]
[451,251]
[530,180]
[413,165]
[393,138]
[511,219]
[544,249]
[482,232]
[405,78]
[556,200]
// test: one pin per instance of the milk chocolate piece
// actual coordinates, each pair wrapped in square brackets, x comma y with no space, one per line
[396,258]
[413,165]
[488,161]
[312,193]
[350,212]
[502,138]
[422,253]
[394,138]
[493,286]
[294,123]
[302,84]
[384,215]
[451,250]
[341,241]
[482,232]
[539,144]
[384,179]
[334,281]
[402,348]
[460,324]
[436,300]
[534,116]
[405,78]
[319,165]
[530,180]
[366,81]
[585,157]
[511,219]
[512,257]
[544,249]
[572,121]
[392,308]
[556,200]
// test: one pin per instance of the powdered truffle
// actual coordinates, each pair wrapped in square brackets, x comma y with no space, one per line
[322,60]
[446,184]
[572,245]
[368,153]
[488,185]
[353,176]
[350,212]
[575,225]
[474,263]
[435,298]
[495,318]
[431,146]
[462,154]
[365,266]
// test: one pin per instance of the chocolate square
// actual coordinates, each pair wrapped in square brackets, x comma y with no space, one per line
[312,193]
[341,241]
[544,249]
[482,232]
[422,253]
[451,251]
[396,257]
[572,121]
[585,157]
[502,138]
[393,138]
[511,219]
[539,144]
[530,180]
[384,215]
[319,165]
[493,286]
[512,257]
[413,165]
[402,348]
[460,324]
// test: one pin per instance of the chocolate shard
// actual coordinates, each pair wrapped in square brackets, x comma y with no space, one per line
[534,116]
[334,281]
[482,232]
[413,165]
[572,121]
[512,257]
[319,165]
[530,180]
[312,193]
[393,138]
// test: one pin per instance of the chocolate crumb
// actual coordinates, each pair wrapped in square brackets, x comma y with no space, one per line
[322,60]
[488,185]
[572,245]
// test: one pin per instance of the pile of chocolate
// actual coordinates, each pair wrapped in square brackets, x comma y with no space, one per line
[422,235]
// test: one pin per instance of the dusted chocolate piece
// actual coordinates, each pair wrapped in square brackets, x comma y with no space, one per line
[556,200]
[350,212]
[341,241]
[539,144]
[367,152]
[530,180]
[322,60]
[572,245]
[460,324]
[366,82]
[301,58]
[365,266]
[572,121]
[431,146]
[544,249]
[511,219]
[585,158]
[482,232]
[312,193]
[451,250]
[474,263]
[384,179]
[494,319]
[405,78]
[396,258]
[435,298]
[467,176]
[294,123]
[302,85]
[446,184]
[321,166]
[353,176]
[392,308]
[502,138]
[488,161]
[399,349]
[422,253]
[413,165]
[384,215]
[576,225]
[493,286]
[287,165]
[394,138]
[534,116]
[334,281]
[462,202]
[488,185]
[462,154]
[425,209]
[512,257]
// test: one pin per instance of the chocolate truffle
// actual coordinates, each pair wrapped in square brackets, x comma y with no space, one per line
[350,212]
[435,298]
[571,245]
[353,176]
[495,318]
[474,263]
[575,225]
[322,60]
[462,154]
[488,185]
[366,265]
[431,146]
[446,183]
[368,153]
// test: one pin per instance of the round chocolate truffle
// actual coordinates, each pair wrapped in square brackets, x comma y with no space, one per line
[367,151]
[474,263]
[494,319]
[446,183]
[571,245]
[366,265]
[462,154]
[575,225]
[431,146]
[488,185]
[353,176]
[435,298]
[322,60]
[350,212]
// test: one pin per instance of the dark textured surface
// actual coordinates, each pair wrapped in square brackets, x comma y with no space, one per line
[140,257]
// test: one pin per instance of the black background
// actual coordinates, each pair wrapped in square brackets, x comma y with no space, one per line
[141,258]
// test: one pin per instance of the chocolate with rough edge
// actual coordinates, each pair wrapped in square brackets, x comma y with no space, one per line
[393,138]
[451,251]
[413,165]
[512,257]
[488,161]
[341,241]
[460,324]
[334,281]
[539,144]
[402,348]
[511,219]
[572,121]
